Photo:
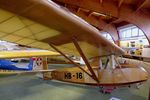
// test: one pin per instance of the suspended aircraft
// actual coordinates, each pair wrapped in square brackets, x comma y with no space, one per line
[44,24]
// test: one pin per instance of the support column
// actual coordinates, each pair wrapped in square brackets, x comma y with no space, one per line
[112,61]
[100,63]
[45,67]
[107,61]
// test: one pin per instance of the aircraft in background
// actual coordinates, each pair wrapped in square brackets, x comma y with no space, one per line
[35,65]
[9,65]
[44,24]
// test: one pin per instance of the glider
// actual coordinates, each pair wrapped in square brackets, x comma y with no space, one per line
[46,25]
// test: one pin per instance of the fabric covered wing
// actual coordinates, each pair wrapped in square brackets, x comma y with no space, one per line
[38,23]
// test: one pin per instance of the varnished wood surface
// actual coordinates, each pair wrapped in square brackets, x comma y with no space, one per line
[117,76]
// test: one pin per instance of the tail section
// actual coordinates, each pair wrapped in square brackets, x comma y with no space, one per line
[40,63]
[35,63]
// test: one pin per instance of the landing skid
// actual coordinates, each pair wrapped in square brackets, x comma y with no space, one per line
[106,90]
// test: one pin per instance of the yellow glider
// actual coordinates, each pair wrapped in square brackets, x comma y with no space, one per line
[26,54]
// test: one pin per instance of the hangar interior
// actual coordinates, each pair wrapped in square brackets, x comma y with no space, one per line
[123,26]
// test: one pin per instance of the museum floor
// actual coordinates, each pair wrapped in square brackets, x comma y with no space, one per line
[30,87]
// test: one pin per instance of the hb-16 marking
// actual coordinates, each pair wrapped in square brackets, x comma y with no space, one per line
[69,75]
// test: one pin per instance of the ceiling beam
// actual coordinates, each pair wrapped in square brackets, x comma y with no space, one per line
[108,8]
[140,4]
[125,13]
[101,1]
[99,23]
[78,10]
[65,5]
[90,13]
[120,2]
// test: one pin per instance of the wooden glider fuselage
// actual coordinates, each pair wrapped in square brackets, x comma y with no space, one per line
[106,77]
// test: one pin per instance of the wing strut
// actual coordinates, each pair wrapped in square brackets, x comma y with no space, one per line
[70,60]
[84,58]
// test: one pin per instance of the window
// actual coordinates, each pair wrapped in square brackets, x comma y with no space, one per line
[141,33]
[132,37]
[130,32]
[107,36]
[123,34]
[134,32]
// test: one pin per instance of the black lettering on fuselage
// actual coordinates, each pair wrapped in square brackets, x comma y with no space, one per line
[69,75]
